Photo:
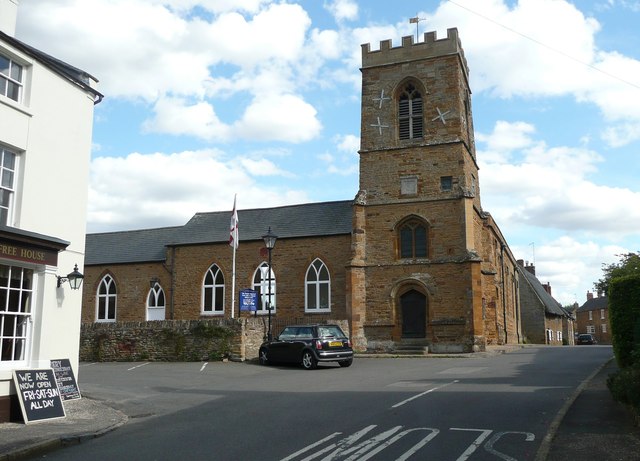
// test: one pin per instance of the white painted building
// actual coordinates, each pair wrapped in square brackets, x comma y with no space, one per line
[46,118]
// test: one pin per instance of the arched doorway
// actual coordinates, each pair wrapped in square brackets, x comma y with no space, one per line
[413,305]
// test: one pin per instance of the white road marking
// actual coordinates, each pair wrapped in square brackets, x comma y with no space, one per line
[476,443]
[138,366]
[461,370]
[203,365]
[423,393]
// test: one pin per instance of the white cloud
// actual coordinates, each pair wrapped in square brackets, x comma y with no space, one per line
[279,117]
[342,10]
[570,266]
[549,187]
[155,190]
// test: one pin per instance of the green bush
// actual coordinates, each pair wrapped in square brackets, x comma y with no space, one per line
[625,387]
[624,316]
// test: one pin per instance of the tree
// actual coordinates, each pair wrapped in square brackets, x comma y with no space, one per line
[629,265]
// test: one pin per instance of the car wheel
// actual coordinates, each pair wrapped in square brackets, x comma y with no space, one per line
[309,361]
[346,363]
[263,358]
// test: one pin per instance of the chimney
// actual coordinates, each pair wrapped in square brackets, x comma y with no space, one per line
[589,295]
[520,262]
[8,16]
[547,287]
[531,268]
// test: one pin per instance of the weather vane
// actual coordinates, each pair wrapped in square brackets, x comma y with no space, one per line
[416,21]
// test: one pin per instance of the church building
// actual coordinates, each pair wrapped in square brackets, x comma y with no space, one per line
[412,259]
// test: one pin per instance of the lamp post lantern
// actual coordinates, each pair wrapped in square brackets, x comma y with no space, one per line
[269,241]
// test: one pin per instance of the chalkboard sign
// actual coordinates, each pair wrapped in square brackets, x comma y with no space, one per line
[38,394]
[65,379]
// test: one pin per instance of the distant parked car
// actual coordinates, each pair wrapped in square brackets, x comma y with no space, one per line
[586,339]
[308,345]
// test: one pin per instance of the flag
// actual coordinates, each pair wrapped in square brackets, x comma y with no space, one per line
[233,227]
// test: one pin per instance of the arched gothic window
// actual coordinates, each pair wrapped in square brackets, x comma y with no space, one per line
[413,237]
[106,300]
[317,288]
[261,279]
[410,120]
[213,291]
[156,303]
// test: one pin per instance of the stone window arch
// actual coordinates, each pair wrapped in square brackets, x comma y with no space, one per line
[410,112]
[213,291]
[413,238]
[156,303]
[261,278]
[106,300]
[317,287]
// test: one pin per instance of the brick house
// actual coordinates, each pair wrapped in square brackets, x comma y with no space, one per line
[412,259]
[544,320]
[593,317]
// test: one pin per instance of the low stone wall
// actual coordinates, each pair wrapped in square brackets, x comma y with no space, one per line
[175,340]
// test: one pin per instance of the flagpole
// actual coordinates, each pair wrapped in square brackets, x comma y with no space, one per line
[234,236]
[233,283]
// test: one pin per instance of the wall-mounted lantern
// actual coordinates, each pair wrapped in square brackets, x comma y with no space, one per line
[74,278]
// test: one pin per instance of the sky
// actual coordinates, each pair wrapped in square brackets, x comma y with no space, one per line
[205,99]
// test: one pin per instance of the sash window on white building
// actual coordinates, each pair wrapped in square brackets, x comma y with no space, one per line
[15,312]
[11,77]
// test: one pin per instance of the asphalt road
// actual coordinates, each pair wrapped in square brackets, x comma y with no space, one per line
[478,408]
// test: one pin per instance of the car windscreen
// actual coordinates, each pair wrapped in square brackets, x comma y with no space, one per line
[330,331]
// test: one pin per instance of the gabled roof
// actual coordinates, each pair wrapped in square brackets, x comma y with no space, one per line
[306,220]
[551,306]
[601,302]
[148,245]
[67,71]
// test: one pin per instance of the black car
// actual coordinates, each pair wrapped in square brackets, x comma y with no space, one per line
[308,345]
[586,339]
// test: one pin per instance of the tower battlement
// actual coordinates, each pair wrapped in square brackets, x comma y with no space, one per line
[431,47]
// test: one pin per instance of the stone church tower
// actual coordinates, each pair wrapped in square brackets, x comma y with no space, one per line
[416,274]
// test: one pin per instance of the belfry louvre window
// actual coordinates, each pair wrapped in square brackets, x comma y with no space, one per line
[410,113]
[413,240]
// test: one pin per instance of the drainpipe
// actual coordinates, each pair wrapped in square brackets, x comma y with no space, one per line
[504,300]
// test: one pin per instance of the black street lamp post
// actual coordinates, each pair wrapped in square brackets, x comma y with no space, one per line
[269,242]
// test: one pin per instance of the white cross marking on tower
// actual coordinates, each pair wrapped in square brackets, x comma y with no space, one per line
[382,98]
[440,116]
[379,126]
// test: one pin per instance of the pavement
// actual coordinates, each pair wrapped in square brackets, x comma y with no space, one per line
[590,426]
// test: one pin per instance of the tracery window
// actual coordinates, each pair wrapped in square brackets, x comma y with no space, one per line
[317,288]
[410,119]
[213,291]
[156,303]
[261,279]
[106,300]
[413,239]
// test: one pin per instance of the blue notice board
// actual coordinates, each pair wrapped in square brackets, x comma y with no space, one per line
[248,300]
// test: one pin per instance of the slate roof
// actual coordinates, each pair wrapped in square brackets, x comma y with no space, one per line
[601,302]
[306,220]
[67,71]
[148,245]
[551,306]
